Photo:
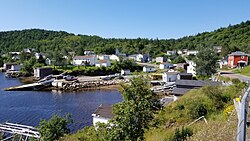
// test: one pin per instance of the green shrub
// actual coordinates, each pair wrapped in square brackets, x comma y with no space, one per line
[181,135]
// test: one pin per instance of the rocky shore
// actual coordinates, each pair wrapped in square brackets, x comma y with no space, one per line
[76,86]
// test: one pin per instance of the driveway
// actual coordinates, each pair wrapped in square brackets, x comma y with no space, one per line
[234,75]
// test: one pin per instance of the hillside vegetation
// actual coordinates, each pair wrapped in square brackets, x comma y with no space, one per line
[232,38]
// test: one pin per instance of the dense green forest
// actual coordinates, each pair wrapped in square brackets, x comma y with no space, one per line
[231,38]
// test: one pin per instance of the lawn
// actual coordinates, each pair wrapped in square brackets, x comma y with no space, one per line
[244,71]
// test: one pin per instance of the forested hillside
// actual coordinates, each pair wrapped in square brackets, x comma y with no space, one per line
[232,38]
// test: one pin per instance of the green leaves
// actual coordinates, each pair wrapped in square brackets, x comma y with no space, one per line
[54,128]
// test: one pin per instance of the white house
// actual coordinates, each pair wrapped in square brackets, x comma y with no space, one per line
[114,57]
[38,55]
[7,66]
[139,57]
[148,69]
[84,60]
[171,52]
[125,72]
[223,63]
[192,52]
[89,52]
[103,57]
[160,59]
[48,61]
[102,114]
[191,68]
[218,49]
[169,76]
[179,52]
[104,63]
[166,65]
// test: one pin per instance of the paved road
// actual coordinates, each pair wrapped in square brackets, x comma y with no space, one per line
[234,75]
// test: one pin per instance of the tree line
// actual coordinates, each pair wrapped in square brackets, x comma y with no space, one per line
[232,38]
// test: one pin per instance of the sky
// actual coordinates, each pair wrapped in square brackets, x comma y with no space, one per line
[163,19]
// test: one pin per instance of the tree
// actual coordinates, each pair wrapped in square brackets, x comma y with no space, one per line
[54,128]
[133,115]
[206,62]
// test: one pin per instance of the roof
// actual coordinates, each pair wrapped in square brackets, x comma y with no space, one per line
[149,66]
[171,73]
[197,83]
[180,91]
[84,57]
[104,110]
[103,61]
[186,74]
[237,53]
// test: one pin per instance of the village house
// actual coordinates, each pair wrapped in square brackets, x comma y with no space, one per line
[166,65]
[223,63]
[114,57]
[181,65]
[28,50]
[38,55]
[15,67]
[89,52]
[218,49]
[179,52]
[192,52]
[103,57]
[139,57]
[48,61]
[103,63]
[171,52]
[191,68]
[169,76]
[148,69]
[84,60]
[102,114]
[8,66]
[160,59]
[184,76]
[183,86]
[42,72]
[237,59]
[125,72]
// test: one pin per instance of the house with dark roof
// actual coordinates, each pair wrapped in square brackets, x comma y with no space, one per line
[183,86]
[102,114]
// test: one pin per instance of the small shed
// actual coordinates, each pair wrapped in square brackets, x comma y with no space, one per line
[185,76]
[42,72]
[148,69]
[169,76]
[125,72]
[102,114]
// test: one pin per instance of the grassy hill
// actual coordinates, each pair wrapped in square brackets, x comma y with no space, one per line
[232,38]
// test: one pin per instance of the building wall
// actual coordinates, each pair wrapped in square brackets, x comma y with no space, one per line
[160,59]
[233,60]
[91,60]
[169,77]
[99,119]
[146,69]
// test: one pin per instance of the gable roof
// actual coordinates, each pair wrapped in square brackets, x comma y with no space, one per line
[104,110]
[83,57]
[237,53]
[196,83]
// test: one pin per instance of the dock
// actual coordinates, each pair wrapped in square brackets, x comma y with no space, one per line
[33,86]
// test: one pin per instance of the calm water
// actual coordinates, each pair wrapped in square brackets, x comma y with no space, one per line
[28,107]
